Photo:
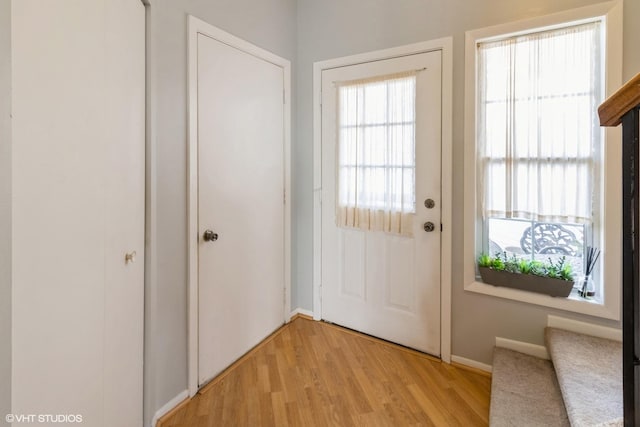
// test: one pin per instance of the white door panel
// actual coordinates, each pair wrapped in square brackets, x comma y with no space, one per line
[78,207]
[240,182]
[124,187]
[382,284]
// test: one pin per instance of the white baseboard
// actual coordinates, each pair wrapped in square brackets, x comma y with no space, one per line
[584,328]
[169,406]
[300,311]
[471,363]
[535,350]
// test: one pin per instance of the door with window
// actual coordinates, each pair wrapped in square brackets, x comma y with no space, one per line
[381,201]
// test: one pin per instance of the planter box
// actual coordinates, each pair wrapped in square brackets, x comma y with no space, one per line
[527,282]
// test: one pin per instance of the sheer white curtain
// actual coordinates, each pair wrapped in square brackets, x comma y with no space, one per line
[376,153]
[537,129]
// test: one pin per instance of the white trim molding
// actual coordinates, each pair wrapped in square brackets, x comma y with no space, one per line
[179,398]
[534,350]
[445,45]
[196,26]
[584,328]
[471,363]
[608,305]
[300,311]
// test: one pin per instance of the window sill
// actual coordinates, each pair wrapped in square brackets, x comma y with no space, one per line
[573,302]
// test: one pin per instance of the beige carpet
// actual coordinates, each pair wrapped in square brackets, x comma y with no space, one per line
[524,392]
[589,371]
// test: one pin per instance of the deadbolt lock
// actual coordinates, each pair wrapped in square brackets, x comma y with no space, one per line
[429,203]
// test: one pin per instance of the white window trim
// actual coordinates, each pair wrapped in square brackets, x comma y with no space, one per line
[611,183]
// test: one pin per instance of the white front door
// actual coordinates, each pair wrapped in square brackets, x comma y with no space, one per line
[240,126]
[384,283]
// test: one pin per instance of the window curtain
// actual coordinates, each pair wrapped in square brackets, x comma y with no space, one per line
[538,135]
[376,153]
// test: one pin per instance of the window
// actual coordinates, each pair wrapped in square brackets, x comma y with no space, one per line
[539,172]
[376,160]
[539,142]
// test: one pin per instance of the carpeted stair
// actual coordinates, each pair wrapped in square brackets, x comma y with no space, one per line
[524,389]
[581,386]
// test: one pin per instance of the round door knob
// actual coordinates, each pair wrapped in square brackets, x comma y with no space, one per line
[210,236]
[429,227]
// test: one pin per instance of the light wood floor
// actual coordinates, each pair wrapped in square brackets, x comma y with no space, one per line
[315,374]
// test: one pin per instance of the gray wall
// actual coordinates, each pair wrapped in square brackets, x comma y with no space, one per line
[333,28]
[5,208]
[270,24]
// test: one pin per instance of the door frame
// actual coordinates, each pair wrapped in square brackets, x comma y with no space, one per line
[445,45]
[196,26]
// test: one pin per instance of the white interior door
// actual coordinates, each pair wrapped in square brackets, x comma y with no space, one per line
[240,199]
[380,283]
[78,208]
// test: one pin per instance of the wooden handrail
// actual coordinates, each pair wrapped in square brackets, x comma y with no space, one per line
[618,104]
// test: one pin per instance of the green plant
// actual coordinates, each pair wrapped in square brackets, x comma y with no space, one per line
[512,264]
[538,268]
[558,269]
[484,260]
[497,263]
[524,266]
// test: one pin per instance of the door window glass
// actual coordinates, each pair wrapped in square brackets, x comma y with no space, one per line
[376,153]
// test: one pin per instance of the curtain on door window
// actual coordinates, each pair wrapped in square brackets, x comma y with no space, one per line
[537,126]
[376,153]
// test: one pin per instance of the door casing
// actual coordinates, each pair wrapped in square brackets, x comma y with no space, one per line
[445,45]
[195,27]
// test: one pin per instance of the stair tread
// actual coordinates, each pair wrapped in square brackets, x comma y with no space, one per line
[589,372]
[524,392]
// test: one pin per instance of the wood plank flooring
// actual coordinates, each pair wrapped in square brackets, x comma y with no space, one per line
[315,374]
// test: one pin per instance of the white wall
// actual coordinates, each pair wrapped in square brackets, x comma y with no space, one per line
[5,208]
[333,28]
[270,24]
